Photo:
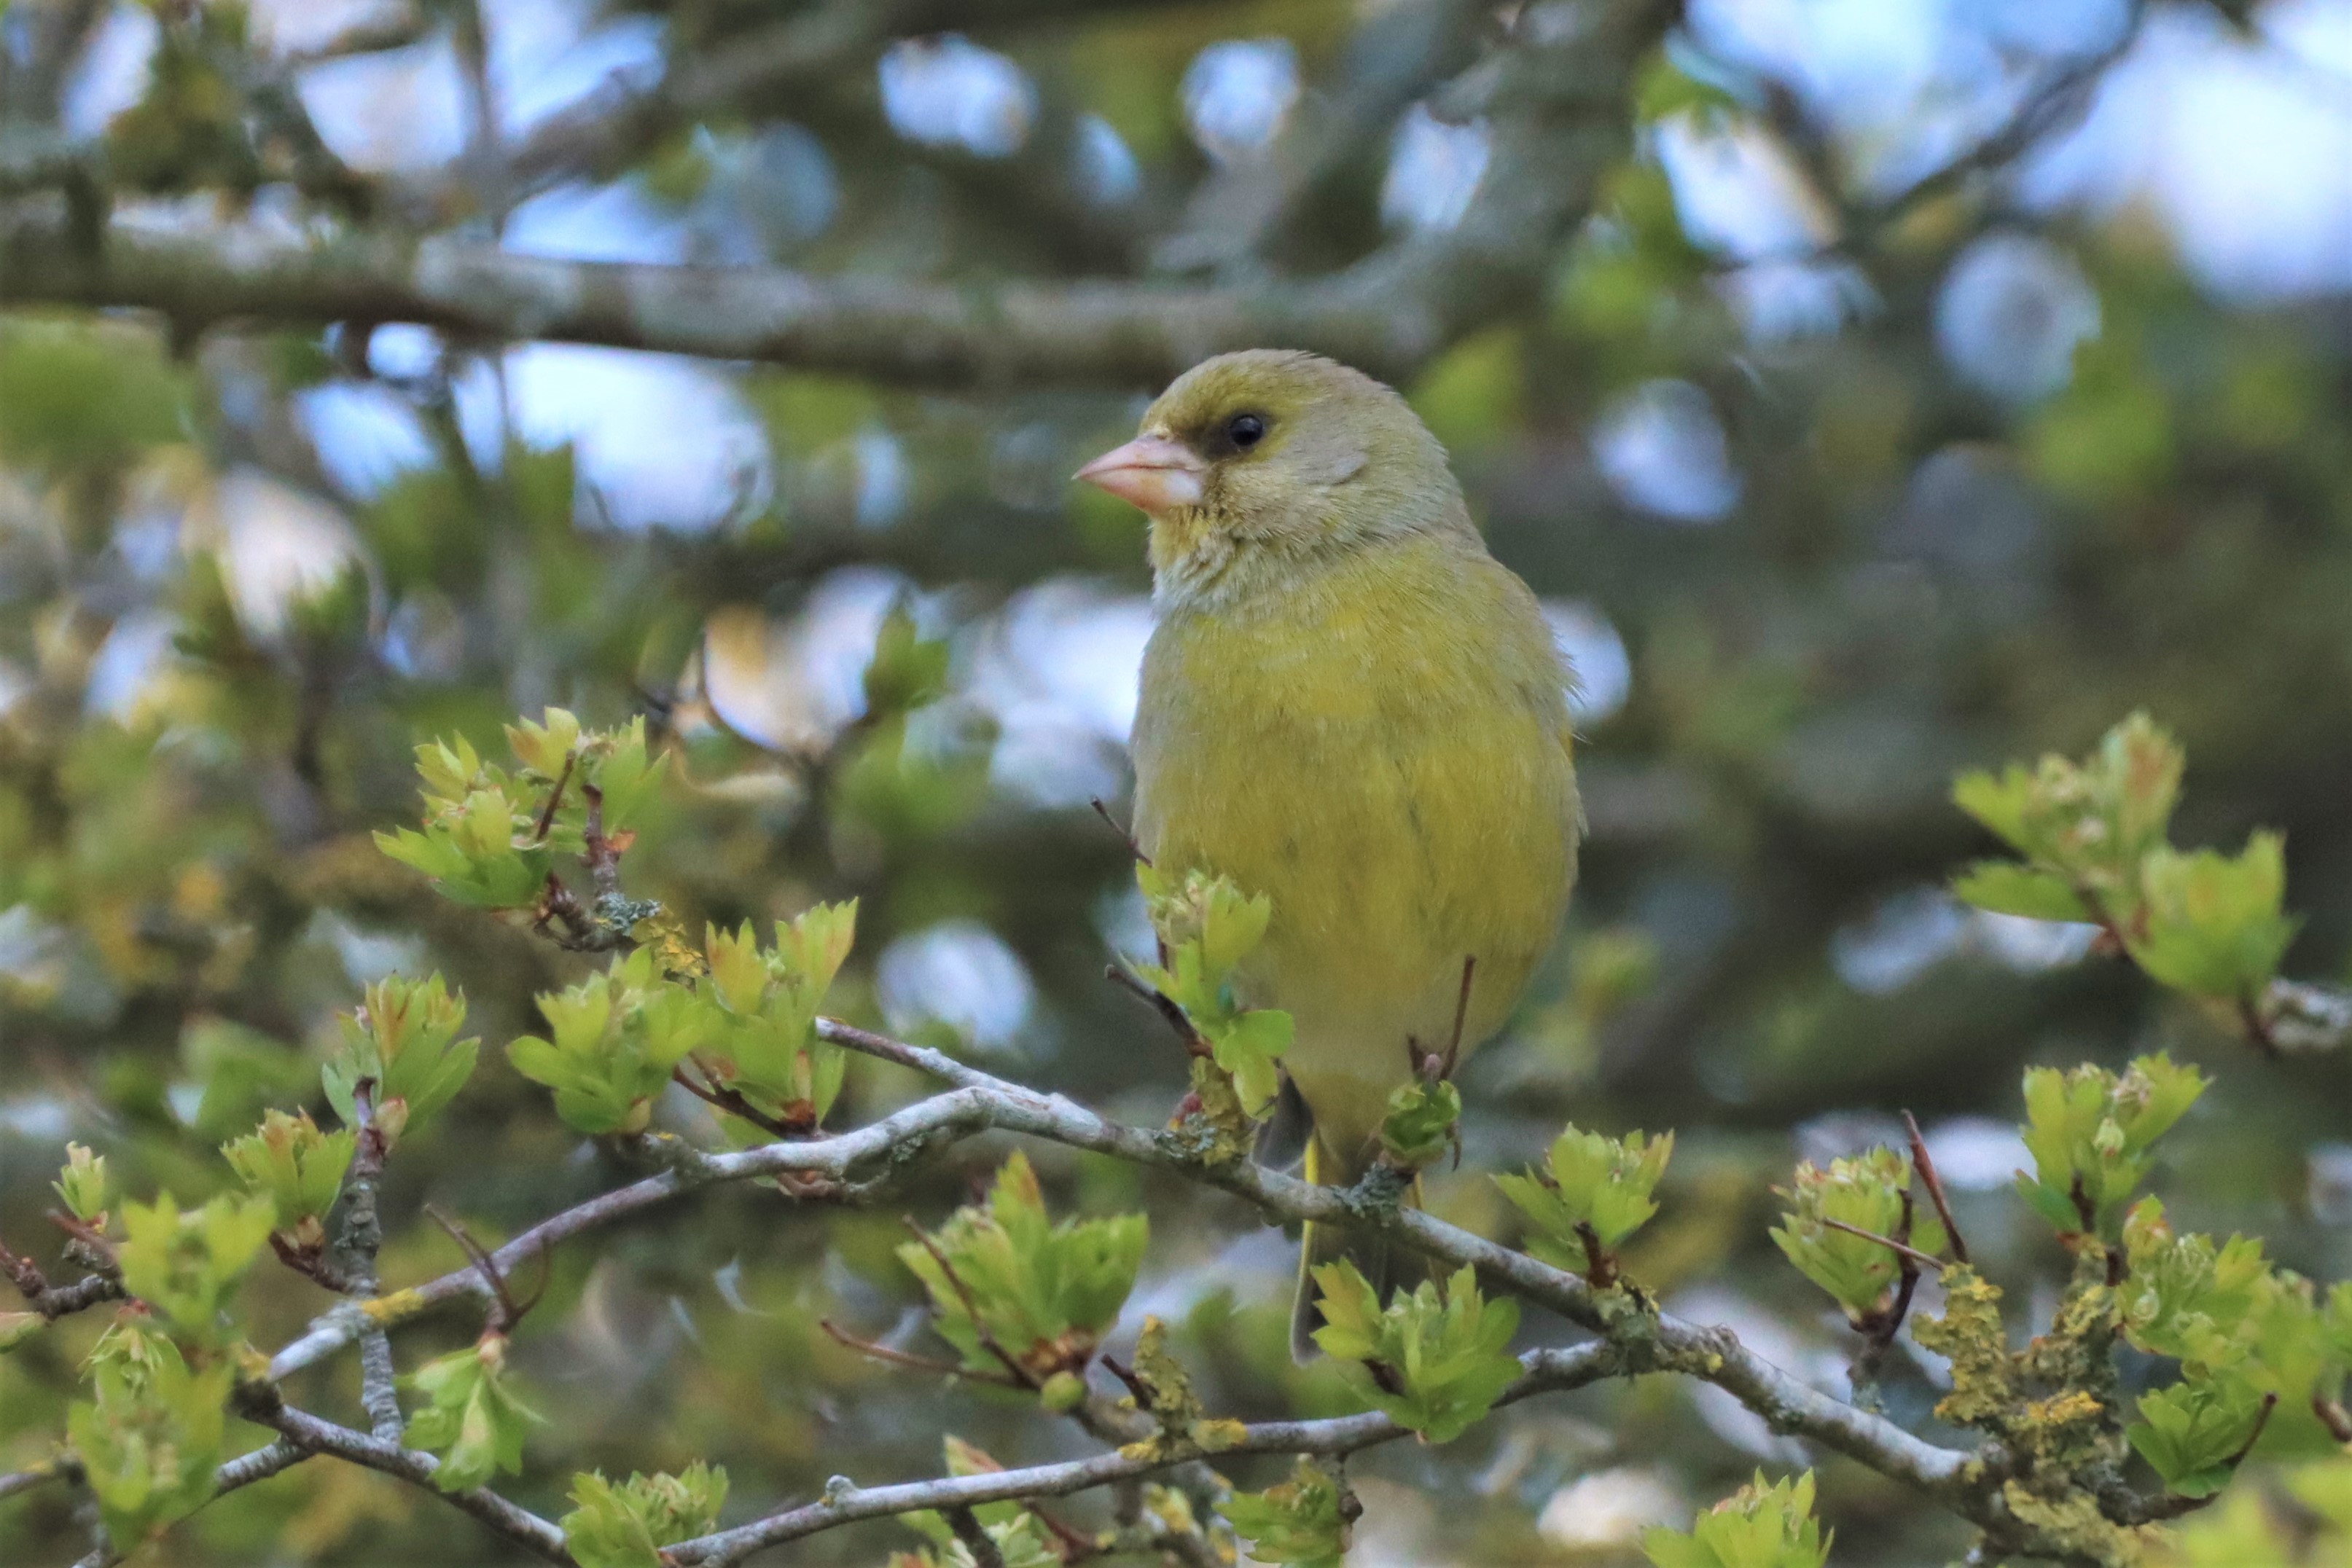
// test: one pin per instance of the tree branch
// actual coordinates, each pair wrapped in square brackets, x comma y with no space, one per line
[310,1435]
[985,1104]
[1558,111]
[1546,1372]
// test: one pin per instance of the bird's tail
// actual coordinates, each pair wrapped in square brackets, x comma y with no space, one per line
[1382,1262]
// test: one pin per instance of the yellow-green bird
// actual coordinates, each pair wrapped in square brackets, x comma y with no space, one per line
[1349,706]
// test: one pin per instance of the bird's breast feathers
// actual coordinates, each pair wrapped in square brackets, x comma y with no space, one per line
[1383,750]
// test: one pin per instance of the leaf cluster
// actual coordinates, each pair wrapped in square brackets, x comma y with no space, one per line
[2092,839]
[490,834]
[150,1436]
[1758,1526]
[1435,1361]
[1005,1275]
[1207,926]
[759,1038]
[1870,1193]
[1020,1537]
[470,1418]
[625,1524]
[187,1264]
[403,1040]
[612,1044]
[1589,1179]
[1298,1521]
[300,1169]
[2090,1131]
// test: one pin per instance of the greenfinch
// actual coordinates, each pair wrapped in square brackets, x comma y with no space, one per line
[1349,706]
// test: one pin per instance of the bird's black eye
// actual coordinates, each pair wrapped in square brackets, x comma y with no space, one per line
[1246,430]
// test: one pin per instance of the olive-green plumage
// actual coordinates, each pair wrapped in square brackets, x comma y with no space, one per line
[1351,706]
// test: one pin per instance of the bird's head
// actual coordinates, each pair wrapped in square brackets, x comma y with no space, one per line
[1254,464]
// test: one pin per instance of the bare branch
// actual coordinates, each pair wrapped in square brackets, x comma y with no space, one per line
[313,1436]
[1546,1370]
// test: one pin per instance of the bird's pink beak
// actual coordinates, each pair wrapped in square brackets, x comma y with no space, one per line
[1151,472]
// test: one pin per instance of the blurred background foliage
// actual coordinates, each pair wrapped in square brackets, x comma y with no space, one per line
[1832,485]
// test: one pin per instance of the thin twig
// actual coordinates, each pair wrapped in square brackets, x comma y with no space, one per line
[1161,1003]
[868,1347]
[554,797]
[1125,837]
[507,1312]
[1460,1016]
[1928,1178]
[1900,1248]
[731,1101]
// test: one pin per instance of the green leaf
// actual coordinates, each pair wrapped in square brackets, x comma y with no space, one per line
[404,1037]
[2091,1128]
[2087,825]
[2184,1296]
[1758,1526]
[298,1167]
[1592,1179]
[2192,1433]
[907,671]
[470,1419]
[1045,1292]
[1249,1046]
[1418,1130]
[758,1037]
[1294,1521]
[2213,925]
[1434,1363]
[625,1525]
[150,1439]
[613,1041]
[1867,1193]
[1208,927]
[2006,887]
[187,1264]
[81,1186]
[546,747]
